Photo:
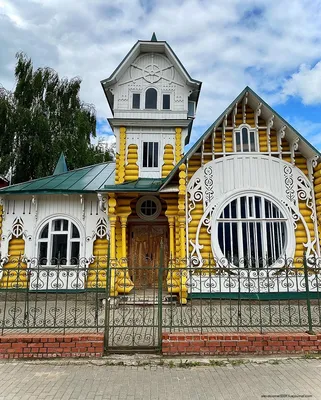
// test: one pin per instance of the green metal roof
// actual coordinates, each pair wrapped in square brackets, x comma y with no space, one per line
[154,38]
[140,185]
[61,166]
[82,180]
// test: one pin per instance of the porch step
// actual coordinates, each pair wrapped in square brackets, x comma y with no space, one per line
[146,300]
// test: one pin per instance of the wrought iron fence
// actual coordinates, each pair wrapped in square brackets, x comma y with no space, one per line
[133,305]
[57,298]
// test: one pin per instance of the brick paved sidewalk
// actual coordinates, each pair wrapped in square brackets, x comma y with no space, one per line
[273,379]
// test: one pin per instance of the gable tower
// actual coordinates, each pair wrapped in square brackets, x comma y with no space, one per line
[153,101]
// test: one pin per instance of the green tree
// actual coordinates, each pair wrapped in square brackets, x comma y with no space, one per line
[41,118]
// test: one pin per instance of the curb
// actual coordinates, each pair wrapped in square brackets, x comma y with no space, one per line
[143,360]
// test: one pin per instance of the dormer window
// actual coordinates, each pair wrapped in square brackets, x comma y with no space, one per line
[136,101]
[151,99]
[245,140]
[166,101]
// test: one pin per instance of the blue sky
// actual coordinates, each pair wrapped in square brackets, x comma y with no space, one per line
[274,47]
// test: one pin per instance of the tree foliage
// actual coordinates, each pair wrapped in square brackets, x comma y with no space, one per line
[41,118]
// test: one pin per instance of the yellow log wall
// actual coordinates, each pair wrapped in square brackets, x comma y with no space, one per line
[97,269]
[14,271]
[274,141]
[131,169]
[117,169]
[178,144]
[122,155]
[168,164]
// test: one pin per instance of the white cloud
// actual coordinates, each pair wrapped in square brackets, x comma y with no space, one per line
[227,45]
[306,83]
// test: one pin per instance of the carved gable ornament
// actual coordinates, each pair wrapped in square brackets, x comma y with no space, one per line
[151,68]
[220,181]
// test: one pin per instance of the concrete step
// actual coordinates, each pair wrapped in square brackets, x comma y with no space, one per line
[146,300]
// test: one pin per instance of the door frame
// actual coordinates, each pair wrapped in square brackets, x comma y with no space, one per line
[138,222]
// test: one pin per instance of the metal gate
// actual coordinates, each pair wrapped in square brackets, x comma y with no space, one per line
[133,319]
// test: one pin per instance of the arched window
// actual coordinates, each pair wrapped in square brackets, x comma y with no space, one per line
[245,140]
[151,98]
[59,243]
[252,232]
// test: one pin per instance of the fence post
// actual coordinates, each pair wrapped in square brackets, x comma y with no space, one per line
[307,291]
[107,304]
[160,296]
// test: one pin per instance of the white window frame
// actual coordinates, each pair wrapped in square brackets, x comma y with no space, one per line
[132,100]
[289,246]
[150,169]
[49,239]
[249,130]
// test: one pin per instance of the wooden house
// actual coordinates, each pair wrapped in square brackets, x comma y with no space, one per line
[247,194]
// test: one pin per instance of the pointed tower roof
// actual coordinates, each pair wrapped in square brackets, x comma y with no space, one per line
[154,38]
[61,166]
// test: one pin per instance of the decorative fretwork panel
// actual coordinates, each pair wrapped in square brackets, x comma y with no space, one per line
[220,180]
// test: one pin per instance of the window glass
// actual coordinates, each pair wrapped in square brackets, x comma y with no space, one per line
[44,233]
[166,101]
[155,154]
[145,152]
[136,100]
[43,253]
[191,109]
[150,154]
[245,139]
[252,141]
[151,98]
[74,256]
[250,235]
[148,208]
[56,225]
[75,232]
[238,141]
[65,224]
[59,249]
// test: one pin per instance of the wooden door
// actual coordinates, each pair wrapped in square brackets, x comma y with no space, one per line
[144,253]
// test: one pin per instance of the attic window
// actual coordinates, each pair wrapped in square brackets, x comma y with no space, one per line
[136,101]
[151,98]
[166,101]
[245,140]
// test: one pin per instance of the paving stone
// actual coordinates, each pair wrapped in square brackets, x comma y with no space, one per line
[297,378]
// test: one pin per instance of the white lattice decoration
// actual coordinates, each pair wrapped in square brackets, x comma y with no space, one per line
[101,228]
[17,227]
[214,183]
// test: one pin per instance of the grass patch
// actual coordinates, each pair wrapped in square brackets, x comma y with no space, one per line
[217,363]
[237,362]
